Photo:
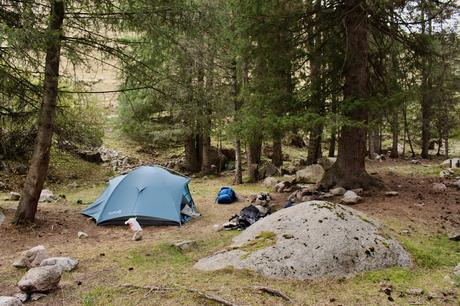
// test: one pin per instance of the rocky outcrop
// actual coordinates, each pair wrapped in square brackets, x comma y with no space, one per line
[310,240]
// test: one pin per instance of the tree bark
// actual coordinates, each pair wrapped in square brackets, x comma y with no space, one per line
[395,133]
[238,177]
[38,169]
[192,156]
[254,152]
[426,88]
[349,170]
[332,142]
[317,101]
[277,157]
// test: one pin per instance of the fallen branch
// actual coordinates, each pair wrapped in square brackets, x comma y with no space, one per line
[211,297]
[274,292]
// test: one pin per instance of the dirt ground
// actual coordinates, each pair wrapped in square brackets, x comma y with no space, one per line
[109,259]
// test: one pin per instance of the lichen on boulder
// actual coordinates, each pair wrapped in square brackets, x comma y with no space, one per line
[310,240]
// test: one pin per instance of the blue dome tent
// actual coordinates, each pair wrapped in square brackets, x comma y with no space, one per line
[152,194]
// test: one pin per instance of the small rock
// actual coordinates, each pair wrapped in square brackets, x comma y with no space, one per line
[415,162]
[446,173]
[47,196]
[439,188]
[350,197]
[405,232]
[338,191]
[15,196]
[455,236]
[432,295]
[23,297]
[185,245]
[40,279]
[82,235]
[414,291]
[457,270]
[65,263]
[270,182]
[36,296]
[280,187]
[358,190]
[9,301]
[31,258]
[391,193]
[137,236]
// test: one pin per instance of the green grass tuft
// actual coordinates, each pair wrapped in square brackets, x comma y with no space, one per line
[433,252]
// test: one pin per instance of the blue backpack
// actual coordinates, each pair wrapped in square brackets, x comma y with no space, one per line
[226,195]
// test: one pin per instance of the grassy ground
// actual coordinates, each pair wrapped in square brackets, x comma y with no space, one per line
[109,259]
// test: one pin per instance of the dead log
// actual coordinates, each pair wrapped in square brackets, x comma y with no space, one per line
[274,292]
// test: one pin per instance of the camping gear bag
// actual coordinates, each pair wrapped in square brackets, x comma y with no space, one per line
[226,195]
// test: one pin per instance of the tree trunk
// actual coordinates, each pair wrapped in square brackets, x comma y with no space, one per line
[206,161]
[332,142]
[277,157]
[253,152]
[349,170]
[238,177]
[38,169]
[192,157]
[314,143]
[426,88]
[395,132]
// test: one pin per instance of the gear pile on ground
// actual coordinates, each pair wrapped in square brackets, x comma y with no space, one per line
[259,208]
[310,240]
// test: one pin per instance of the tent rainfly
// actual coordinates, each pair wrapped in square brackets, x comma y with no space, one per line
[152,194]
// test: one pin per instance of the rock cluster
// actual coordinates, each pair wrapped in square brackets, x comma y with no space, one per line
[43,275]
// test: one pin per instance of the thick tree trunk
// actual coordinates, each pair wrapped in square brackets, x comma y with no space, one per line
[332,142]
[192,156]
[277,157]
[349,170]
[426,88]
[317,101]
[206,161]
[314,145]
[38,169]
[395,133]
[254,152]
[238,177]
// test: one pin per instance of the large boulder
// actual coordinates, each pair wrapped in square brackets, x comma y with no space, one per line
[10,301]
[65,263]
[310,240]
[41,279]
[310,174]
[31,258]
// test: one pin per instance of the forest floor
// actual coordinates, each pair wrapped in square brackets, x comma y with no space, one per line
[109,259]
